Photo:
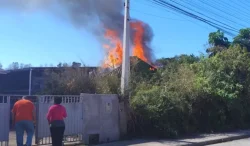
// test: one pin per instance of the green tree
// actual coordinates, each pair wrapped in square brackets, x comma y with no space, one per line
[243,39]
[186,59]
[225,74]
[218,42]
[218,39]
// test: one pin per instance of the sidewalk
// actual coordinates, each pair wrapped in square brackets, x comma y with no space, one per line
[201,140]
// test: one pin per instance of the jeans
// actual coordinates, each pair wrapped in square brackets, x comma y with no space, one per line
[22,126]
[57,134]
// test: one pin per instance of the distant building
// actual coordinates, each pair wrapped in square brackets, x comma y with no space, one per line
[16,82]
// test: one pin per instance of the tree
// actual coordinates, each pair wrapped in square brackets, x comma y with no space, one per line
[63,65]
[218,42]
[217,39]
[243,39]
[16,65]
[186,59]
[1,66]
[76,64]
[225,74]
[21,66]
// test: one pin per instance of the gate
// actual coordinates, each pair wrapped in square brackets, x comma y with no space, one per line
[73,122]
[4,116]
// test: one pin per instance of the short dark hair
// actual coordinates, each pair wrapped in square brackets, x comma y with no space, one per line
[57,100]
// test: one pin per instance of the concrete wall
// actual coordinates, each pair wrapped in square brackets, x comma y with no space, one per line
[101,117]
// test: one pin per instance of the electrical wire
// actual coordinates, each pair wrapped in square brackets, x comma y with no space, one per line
[193,4]
[232,28]
[156,15]
[213,22]
[143,2]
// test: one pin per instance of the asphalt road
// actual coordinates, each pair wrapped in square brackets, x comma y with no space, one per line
[241,142]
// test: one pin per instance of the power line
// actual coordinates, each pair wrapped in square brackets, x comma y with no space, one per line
[173,12]
[242,7]
[227,7]
[231,28]
[177,9]
[147,4]
[217,24]
[156,15]
[208,10]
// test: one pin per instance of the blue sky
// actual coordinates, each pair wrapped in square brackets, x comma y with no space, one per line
[40,39]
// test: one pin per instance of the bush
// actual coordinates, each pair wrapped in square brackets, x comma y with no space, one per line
[69,81]
[207,95]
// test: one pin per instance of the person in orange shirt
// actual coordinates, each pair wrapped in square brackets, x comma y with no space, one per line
[23,117]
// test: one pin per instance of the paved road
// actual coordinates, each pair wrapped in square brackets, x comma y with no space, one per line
[242,142]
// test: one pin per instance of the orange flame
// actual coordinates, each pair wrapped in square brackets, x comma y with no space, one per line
[151,68]
[138,49]
[114,47]
[114,50]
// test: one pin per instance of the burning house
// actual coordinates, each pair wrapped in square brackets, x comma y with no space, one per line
[137,65]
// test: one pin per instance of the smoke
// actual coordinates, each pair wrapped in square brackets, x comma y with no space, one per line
[93,15]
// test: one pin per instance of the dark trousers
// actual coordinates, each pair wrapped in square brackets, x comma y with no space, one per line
[57,134]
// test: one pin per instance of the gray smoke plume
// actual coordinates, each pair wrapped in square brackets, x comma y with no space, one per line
[93,15]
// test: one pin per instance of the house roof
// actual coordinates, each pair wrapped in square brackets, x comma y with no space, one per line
[137,65]
[48,68]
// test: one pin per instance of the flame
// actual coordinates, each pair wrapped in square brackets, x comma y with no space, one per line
[114,50]
[114,46]
[151,68]
[138,49]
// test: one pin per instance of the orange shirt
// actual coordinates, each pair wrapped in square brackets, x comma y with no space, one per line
[23,110]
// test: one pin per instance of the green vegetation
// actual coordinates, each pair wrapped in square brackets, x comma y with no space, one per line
[188,94]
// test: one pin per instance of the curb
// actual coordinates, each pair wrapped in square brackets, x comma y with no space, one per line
[208,142]
[215,141]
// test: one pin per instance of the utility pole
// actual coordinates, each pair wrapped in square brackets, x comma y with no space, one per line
[126,56]
[124,105]
[30,81]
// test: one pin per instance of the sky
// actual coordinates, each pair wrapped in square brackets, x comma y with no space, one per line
[40,39]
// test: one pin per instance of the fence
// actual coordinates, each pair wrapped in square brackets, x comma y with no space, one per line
[92,118]
[74,121]
[4,124]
